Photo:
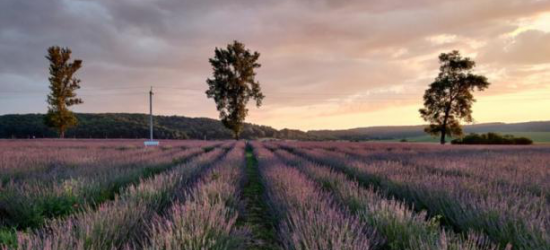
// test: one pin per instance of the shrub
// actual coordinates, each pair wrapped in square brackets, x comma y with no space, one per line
[493,138]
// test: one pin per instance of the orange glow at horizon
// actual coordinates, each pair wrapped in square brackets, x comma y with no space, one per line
[325,64]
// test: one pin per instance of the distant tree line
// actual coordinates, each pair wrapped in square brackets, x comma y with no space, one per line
[101,126]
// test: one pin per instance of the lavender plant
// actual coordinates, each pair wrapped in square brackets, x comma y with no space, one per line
[28,204]
[310,218]
[114,194]
[400,227]
[207,217]
[121,221]
[506,214]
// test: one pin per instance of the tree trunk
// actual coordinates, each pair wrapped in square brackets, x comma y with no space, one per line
[61,133]
[444,128]
[236,136]
[443,132]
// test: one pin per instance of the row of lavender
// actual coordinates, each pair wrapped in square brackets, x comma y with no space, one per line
[27,202]
[37,160]
[308,217]
[205,217]
[322,209]
[397,225]
[149,214]
[479,194]
[321,196]
[521,167]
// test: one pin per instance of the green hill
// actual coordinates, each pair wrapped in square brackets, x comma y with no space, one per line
[121,125]
[537,131]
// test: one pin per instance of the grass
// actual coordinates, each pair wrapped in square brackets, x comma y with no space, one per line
[257,216]
[537,137]
[8,238]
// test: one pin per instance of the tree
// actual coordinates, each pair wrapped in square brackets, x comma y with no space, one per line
[449,98]
[62,89]
[233,84]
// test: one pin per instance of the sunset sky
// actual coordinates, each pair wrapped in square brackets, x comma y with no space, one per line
[328,64]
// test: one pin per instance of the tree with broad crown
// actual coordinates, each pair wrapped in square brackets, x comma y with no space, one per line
[449,98]
[233,84]
[62,86]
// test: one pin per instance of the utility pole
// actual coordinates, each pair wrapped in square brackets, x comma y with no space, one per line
[151,142]
[151,113]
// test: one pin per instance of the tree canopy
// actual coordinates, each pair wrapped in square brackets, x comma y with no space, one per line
[233,84]
[449,98]
[62,89]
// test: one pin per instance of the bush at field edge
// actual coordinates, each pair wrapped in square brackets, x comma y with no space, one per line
[493,138]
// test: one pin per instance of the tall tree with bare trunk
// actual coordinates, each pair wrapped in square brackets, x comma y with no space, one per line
[449,98]
[63,85]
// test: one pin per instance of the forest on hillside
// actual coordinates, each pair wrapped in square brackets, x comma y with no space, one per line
[132,126]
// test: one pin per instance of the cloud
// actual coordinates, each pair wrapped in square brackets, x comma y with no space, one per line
[527,48]
[324,55]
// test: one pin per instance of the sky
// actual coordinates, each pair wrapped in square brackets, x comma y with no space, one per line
[326,64]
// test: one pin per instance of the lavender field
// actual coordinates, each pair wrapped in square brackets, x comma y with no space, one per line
[116,194]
